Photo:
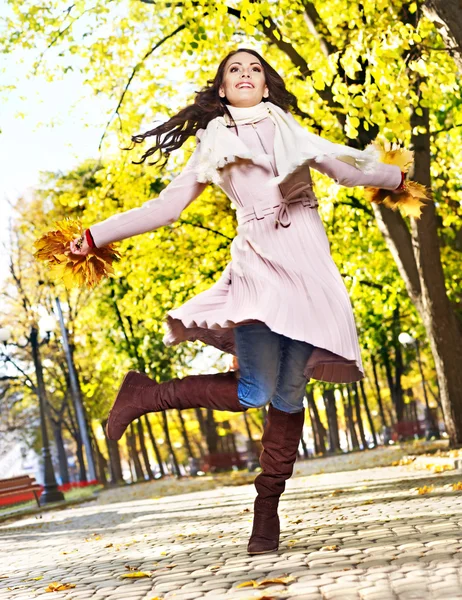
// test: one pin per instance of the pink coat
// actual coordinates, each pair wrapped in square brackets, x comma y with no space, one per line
[283,276]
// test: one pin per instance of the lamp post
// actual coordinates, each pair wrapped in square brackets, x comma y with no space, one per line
[50,493]
[407,340]
[76,395]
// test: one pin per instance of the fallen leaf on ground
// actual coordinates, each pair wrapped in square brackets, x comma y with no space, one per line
[136,575]
[109,545]
[337,492]
[93,538]
[276,580]
[440,468]
[130,568]
[426,489]
[367,502]
[457,487]
[336,507]
[330,548]
[57,586]
[403,462]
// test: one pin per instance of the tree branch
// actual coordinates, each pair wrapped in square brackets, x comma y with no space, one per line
[317,28]
[132,75]
[26,376]
[200,226]
[399,241]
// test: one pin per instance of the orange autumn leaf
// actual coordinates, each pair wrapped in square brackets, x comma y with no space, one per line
[457,487]
[72,269]
[57,586]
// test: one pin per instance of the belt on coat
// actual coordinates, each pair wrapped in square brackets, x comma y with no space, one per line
[302,192]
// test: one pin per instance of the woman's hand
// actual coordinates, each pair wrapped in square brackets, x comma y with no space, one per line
[80,246]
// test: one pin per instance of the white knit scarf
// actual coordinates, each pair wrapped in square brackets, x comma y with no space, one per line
[293,145]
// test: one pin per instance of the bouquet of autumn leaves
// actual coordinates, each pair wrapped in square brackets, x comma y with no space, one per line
[74,270]
[412,197]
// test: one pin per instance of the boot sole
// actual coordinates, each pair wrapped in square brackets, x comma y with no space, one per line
[113,406]
[264,551]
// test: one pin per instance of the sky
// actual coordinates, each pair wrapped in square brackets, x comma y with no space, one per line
[45,126]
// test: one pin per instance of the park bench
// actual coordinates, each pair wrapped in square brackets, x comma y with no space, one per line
[407,430]
[19,489]
[222,461]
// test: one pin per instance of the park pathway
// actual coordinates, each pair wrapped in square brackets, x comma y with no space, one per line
[365,534]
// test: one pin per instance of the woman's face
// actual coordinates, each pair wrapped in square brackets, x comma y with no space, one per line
[243,81]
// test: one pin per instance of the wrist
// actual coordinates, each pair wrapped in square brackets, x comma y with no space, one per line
[89,239]
[401,186]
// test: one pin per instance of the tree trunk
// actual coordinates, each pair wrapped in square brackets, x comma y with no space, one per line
[154,446]
[134,453]
[101,463]
[346,417]
[198,443]
[62,457]
[115,465]
[351,421]
[377,389]
[368,412]
[437,313]
[211,435]
[80,458]
[144,451]
[201,421]
[306,454]
[359,420]
[447,18]
[417,255]
[176,466]
[319,431]
[187,443]
[396,392]
[332,420]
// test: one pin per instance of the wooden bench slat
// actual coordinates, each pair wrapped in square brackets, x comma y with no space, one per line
[17,491]
[25,479]
[20,489]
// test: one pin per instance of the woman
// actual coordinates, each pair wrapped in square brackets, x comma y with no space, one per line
[280,305]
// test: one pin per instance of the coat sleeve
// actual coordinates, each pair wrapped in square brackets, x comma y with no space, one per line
[384,176]
[163,210]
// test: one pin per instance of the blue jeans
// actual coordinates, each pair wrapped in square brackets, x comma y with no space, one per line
[271,368]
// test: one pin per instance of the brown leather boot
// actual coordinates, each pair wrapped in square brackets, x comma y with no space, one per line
[139,395]
[280,443]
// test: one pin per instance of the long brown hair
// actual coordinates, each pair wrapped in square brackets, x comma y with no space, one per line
[207,105]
